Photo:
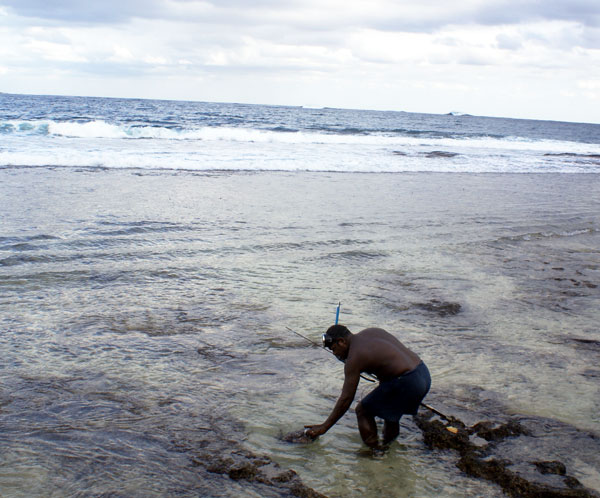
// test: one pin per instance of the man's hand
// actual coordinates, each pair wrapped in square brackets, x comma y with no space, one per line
[314,431]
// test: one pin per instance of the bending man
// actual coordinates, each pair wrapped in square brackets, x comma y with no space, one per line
[404,381]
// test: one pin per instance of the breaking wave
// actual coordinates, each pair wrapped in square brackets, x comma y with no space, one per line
[100,129]
[111,133]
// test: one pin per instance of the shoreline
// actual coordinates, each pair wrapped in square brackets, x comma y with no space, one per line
[218,172]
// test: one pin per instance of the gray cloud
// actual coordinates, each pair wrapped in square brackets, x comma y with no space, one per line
[507,42]
[491,13]
[585,12]
[591,38]
[305,14]
[105,12]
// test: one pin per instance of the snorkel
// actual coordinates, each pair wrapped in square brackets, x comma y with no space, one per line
[327,340]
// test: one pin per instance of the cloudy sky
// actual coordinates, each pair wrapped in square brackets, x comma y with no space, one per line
[518,58]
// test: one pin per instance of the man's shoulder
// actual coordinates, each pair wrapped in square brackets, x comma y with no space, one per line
[373,332]
[375,337]
[367,338]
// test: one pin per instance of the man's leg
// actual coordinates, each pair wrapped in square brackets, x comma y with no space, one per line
[390,431]
[367,427]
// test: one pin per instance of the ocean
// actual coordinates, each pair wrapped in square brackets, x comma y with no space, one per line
[196,136]
[154,253]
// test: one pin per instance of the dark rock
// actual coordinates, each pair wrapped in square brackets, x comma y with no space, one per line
[436,434]
[589,344]
[218,465]
[301,491]
[245,470]
[441,153]
[245,466]
[481,462]
[487,431]
[553,467]
[587,373]
[572,482]
[442,308]
[286,476]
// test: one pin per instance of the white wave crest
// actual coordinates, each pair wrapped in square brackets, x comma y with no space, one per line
[100,129]
[93,129]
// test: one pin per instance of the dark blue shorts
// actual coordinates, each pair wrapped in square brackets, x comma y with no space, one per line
[400,396]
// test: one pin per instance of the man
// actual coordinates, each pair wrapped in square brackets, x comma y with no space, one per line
[404,381]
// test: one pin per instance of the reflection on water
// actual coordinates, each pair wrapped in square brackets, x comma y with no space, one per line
[143,322]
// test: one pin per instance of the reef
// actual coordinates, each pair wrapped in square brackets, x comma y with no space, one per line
[241,465]
[481,455]
[216,449]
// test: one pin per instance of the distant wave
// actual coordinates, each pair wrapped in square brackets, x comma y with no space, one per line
[328,134]
[576,157]
[532,236]
[99,129]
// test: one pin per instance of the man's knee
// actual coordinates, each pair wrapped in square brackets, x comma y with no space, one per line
[359,408]
[360,411]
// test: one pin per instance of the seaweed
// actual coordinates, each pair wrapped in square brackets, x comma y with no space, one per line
[479,461]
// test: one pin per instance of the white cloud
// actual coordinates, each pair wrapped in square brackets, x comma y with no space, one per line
[59,52]
[591,88]
[156,61]
[589,84]
[121,54]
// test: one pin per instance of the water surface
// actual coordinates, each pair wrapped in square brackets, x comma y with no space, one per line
[144,317]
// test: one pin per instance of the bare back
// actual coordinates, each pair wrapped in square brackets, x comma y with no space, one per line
[378,352]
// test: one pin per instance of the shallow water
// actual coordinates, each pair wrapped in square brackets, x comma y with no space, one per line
[144,319]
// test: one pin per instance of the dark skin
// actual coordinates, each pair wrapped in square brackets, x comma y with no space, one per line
[372,351]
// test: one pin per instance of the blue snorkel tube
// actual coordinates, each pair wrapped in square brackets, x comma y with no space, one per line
[337,313]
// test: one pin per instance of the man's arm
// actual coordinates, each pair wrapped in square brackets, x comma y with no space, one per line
[351,380]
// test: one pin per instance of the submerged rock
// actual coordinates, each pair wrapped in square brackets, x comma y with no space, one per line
[588,344]
[442,308]
[441,153]
[245,466]
[492,432]
[298,437]
[553,467]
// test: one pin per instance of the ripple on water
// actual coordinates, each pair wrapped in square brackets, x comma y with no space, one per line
[76,437]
